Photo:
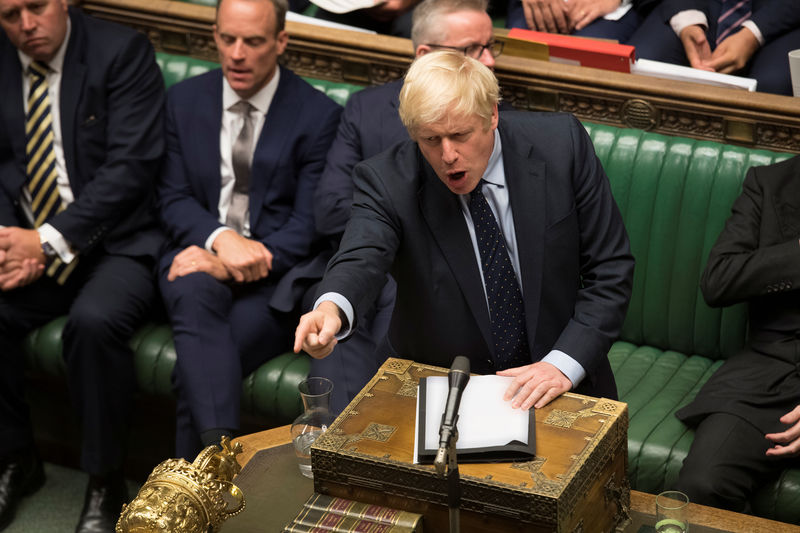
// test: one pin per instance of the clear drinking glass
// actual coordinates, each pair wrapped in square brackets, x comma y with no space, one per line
[316,417]
[672,509]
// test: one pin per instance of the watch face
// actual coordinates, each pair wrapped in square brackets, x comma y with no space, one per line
[48,251]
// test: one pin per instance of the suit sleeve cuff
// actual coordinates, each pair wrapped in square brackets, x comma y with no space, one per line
[750,25]
[567,365]
[214,235]
[57,241]
[690,17]
[345,308]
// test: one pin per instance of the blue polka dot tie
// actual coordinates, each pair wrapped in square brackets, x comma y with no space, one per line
[506,310]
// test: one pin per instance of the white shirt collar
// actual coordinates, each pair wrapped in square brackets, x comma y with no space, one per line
[494,173]
[261,100]
[57,63]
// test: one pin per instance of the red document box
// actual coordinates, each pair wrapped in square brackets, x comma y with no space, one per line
[581,51]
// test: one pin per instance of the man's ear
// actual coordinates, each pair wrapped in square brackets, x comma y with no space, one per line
[422,50]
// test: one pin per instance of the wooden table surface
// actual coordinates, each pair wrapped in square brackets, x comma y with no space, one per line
[640,502]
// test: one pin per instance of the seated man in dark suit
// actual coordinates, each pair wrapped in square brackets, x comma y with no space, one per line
[501,232]
[750,38]
[81,137]
[245,148]
[370,124]
[748,414]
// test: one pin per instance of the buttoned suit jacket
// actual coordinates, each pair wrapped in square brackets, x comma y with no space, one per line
[572,244]
[287,162]
[111,98]
[756,259]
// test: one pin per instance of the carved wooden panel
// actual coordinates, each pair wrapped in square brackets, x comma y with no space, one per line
[674,108]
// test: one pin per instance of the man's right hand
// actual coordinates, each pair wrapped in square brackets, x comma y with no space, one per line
[549,16]
[315,334]
[246,259]
[698,51]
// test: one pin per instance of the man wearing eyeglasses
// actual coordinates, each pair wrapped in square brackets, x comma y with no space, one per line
[371,124]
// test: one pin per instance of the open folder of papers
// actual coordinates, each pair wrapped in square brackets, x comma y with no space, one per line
[489,429]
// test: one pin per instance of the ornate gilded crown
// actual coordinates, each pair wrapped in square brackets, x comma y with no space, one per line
[184,497]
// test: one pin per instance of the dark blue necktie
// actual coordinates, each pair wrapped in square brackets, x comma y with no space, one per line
[732,14]
[506,310]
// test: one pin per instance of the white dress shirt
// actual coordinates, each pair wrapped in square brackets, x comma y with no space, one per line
[46,231]
[231,126]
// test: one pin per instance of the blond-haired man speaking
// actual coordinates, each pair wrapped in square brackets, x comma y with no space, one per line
[501,232]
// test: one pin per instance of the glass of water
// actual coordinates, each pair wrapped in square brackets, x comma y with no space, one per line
[316,418]
[672,509]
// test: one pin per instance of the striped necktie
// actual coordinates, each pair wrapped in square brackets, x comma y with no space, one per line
[732,14]
[41,161]
[506,308]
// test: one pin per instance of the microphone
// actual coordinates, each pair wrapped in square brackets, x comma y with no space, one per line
[457,380]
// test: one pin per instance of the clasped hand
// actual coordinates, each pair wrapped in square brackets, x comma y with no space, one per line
[558,16]
[239,258]
[21,259]
[731,55]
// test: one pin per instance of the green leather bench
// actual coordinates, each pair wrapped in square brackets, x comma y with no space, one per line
[675,195]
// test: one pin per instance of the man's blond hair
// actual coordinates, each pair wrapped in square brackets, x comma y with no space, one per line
[446,83]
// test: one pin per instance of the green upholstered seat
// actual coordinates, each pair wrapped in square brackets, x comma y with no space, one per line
[675,195]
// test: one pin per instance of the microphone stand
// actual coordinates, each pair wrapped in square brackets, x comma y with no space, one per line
[447,458]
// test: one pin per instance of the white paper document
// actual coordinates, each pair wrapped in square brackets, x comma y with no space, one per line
[346,6]
[487,425]
[658,69]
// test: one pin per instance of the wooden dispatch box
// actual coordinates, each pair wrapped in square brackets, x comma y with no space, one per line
[577,482]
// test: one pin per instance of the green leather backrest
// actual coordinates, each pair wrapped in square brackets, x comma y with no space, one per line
[175,68]
[675,195]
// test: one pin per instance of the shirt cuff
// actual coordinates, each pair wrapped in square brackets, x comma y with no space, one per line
[690,17]
[214,235]
[750,25]
[344,306]
[567,365]
[620,11]
[57,241]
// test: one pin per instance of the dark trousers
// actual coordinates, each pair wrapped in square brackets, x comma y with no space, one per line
[656,40]
[726,463]
[222,332]
[106,299]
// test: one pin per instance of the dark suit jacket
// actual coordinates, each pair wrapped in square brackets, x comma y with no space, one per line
[287,162]
[773,17]
[756,259]
[573,249]
[112,98]
[369,125]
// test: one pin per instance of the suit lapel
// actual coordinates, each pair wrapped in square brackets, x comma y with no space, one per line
[13,116]
[206,157]
[270,144]
[526,191]
[787,209]
[72,78]
[442,212]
